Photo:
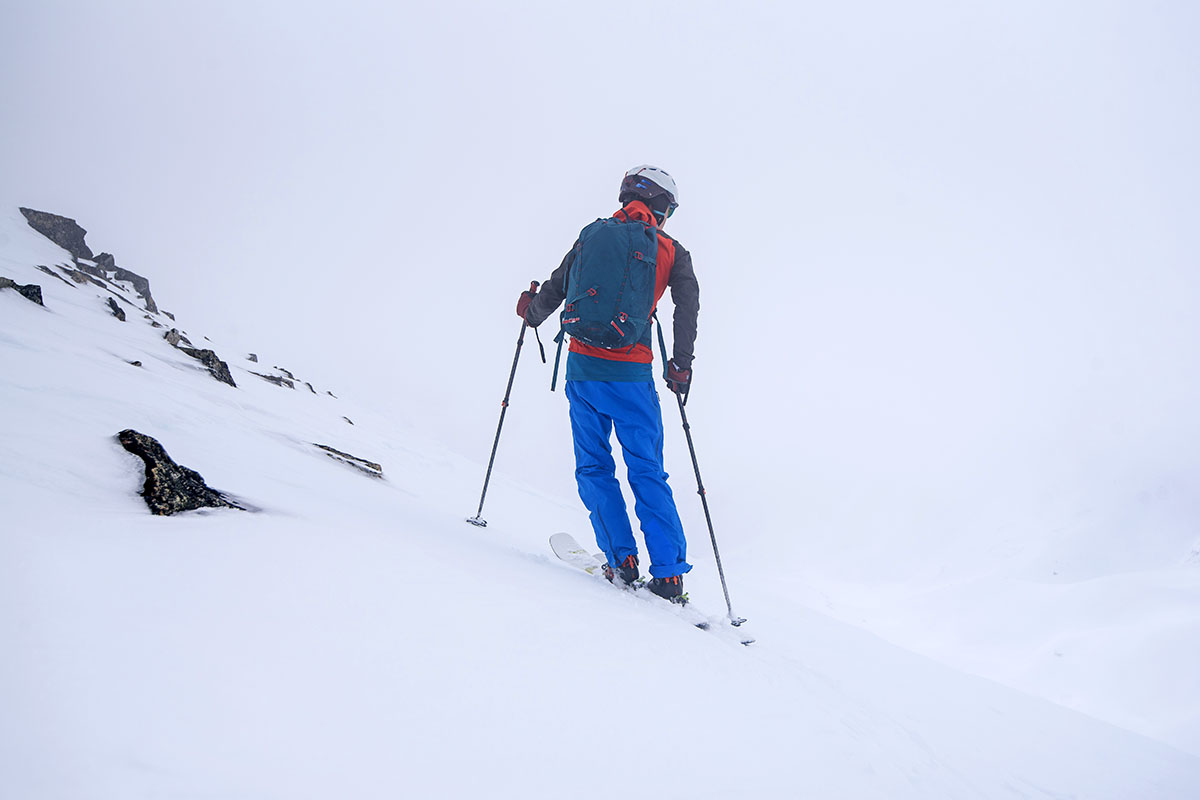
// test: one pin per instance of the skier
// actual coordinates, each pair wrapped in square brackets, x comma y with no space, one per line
[610,388]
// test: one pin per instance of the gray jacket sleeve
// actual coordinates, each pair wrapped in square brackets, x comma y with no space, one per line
[685,294]
[551,293]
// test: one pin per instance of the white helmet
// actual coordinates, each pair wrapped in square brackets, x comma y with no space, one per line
[647,182]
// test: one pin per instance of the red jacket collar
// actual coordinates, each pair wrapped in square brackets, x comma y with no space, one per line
[636,211]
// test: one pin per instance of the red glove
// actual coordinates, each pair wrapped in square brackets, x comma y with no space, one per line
[526,298]
[679,380]
[523,303]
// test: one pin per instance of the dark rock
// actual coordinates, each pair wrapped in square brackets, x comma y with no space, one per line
[62,231]
[81,277]
[170,487]
[116,309]
[169,314]
[91,269]
[140,284]
[135,363]
[331,394]
[33,292]
[348,420]
[29,291]
[361,464]
[275,379]
[216,367]
[175,338]
[285,372]
[252,357]
[49,271]
[105,263]
[310,387]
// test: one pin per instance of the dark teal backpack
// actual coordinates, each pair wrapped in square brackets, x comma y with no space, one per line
[610,286]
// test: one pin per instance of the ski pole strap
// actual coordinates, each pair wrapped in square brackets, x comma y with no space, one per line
[557,357]
[662,343]
[541,349]
[533,287]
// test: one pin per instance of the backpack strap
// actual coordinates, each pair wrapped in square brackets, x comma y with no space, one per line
[562,331]
[557,357]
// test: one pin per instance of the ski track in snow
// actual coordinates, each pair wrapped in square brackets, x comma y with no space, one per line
[355,638]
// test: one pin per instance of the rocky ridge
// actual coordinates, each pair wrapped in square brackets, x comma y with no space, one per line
[169,487]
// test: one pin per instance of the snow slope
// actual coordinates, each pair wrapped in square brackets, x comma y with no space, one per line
[352,637]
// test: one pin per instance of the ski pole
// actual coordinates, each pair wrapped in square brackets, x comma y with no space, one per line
[687,430]
[478,520]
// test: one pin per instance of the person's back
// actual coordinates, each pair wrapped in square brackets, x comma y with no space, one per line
[613,388]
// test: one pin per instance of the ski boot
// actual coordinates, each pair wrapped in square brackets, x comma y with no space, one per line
[627,571]
[669,588]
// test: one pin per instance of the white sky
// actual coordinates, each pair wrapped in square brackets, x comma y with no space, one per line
[947,251]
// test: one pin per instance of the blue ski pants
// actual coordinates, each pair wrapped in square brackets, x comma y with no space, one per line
[632,408]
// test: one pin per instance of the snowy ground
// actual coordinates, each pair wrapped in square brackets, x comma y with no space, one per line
[354,638]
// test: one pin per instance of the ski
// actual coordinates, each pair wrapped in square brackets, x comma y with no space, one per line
[571,552]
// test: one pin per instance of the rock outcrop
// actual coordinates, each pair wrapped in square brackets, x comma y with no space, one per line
[360,464]
[67,234]
[117,311]
[216,367]
[102,271]
[275,379]
[54,274]
[170,488]
[64,232]
[175,338]
[107,263]
[81,276]
[30,291]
